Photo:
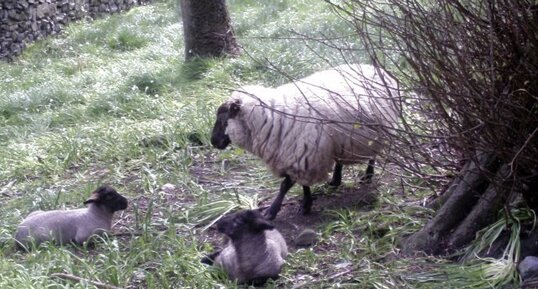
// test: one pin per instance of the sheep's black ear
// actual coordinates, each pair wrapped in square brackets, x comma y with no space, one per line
[96,195]
[92,199]
[234,108]
[261,224]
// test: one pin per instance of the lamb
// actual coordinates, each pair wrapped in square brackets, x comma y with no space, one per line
[304,128]
[64,226]
[255,251]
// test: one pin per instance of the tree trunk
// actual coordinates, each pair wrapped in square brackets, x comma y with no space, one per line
[474,198]
[207,29]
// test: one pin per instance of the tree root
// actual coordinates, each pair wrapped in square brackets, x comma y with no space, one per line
[472,200]
[482,214]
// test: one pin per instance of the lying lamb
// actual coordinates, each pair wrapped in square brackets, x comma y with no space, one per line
[301,129]
[64,226]
[255,251]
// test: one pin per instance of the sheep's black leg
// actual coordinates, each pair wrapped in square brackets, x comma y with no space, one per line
[367,178]
[307,200]
[337,175]
[285,186]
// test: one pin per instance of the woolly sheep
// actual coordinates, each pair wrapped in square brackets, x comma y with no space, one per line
[64,226]
[255,251]
[301,129]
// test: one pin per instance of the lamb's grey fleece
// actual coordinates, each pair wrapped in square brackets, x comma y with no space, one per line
[301,128]
[63,226]
[254,260]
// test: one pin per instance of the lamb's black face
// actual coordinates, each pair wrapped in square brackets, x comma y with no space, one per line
[247,221]
[108,197]
[219,138]
[115,202]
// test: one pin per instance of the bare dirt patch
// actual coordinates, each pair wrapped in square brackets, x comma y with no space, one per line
[218,176]
[290,222]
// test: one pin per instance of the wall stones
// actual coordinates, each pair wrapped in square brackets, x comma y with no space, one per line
[25,21]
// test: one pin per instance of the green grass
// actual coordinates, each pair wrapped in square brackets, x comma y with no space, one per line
[112,101]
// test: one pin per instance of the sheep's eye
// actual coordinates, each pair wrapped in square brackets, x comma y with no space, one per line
[237,224]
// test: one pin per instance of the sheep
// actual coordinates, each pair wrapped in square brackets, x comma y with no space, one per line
[304,128]
[255,251]
[64,226]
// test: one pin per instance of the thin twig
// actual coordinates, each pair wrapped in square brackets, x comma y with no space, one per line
[128,234]
[83,280]
[332,277]
[521,149]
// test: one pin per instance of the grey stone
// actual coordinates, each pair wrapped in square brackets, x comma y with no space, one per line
[45,10]
[20,38]
[306,238]
[528,267]
[12,14]
[22,5]
[60,18]
[33,13]
[41,10]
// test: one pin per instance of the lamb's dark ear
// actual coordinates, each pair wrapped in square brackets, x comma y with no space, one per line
[261,224]
[95,197]
[234,108]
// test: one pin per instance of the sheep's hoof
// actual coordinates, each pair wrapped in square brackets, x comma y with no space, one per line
[304,210]
[367,179]
[269,214]
[334,184]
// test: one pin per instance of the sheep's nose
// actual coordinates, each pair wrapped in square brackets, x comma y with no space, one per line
[220,142]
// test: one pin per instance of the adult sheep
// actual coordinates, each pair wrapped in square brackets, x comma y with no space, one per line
[304,128]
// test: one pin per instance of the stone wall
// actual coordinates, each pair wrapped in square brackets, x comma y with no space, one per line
[25,21]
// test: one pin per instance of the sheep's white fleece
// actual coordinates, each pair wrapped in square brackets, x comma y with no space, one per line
[260,260]
[301,128]
[63,226]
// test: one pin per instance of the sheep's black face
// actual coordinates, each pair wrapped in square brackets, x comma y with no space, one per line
[219,138]
[247,221]
[108,197]
[115,202]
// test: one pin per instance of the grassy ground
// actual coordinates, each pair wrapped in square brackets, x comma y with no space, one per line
[112,101]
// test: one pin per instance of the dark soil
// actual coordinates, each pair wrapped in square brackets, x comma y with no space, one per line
[290,222]
[218,176]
